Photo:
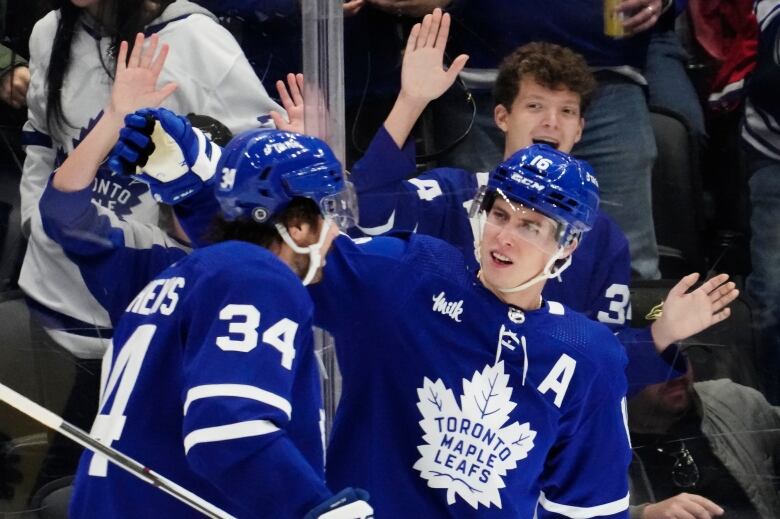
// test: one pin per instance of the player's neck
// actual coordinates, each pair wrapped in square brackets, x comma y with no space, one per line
[528,299]
[287,256]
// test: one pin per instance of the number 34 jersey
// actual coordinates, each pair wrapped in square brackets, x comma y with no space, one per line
[212,382]
[455,404]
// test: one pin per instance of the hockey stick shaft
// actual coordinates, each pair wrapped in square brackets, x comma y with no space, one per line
[51,420]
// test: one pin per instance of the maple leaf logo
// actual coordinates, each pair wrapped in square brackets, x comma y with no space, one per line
[468,449]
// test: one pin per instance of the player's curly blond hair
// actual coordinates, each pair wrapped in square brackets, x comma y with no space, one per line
[552,66]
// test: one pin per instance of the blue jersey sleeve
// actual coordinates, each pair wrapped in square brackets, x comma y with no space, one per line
[116,258]
[196,213]
[645,365]
[366,266]
[434,203]
[587,473]
[242,363]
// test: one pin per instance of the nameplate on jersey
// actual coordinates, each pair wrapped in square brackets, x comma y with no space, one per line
[158,297]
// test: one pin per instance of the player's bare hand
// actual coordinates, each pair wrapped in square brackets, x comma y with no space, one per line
[413,8]
[688,313]
[13,86]
[291,96]
[682,506]
[640,15]
[423,77]
[135,84]
[352,7]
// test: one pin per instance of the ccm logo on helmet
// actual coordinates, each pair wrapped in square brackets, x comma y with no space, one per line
[520,179]
[592,179]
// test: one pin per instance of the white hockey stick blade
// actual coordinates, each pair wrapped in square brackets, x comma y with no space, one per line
[51,420]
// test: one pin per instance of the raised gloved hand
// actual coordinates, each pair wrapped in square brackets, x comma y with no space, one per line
[350,503]
[163,150]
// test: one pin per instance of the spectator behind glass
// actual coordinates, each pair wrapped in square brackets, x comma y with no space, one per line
[66,97]
[702,449]
[14,74]
[618,139]
[72,61]
[761,142]
[14,77]
[668,84]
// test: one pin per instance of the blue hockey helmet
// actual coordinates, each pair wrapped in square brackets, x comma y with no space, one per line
[551,182]
[261,171]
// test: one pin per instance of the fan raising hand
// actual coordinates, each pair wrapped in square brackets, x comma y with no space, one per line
[135,84]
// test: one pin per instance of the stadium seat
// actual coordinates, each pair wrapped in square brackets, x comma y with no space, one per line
[12,242]
[677,195]
[51,500]
[31,364]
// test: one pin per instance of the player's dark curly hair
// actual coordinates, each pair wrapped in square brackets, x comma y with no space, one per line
[300,211]
[119,19]
[550,65]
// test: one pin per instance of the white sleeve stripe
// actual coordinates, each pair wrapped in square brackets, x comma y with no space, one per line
[205,165]
[228,432]
[577,512]
[240,391]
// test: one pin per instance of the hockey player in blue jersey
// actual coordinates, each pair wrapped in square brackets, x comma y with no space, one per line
[469,395]
[211,378]
[541,92]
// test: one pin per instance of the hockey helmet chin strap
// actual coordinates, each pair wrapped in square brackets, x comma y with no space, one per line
[548,272]
[313,250]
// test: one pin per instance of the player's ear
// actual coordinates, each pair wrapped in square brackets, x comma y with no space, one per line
[301,232]
[569,249]
[500,116]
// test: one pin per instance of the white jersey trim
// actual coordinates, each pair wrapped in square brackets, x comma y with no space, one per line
[577,512]
[555,307]
[240,391]
[379,230]
[228,432]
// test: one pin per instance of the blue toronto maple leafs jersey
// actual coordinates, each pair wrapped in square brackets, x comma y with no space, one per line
[455,404]
[437,203]
[211,381]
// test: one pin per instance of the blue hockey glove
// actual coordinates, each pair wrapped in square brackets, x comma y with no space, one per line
[163,150]
[350,503]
